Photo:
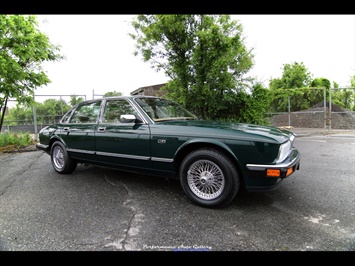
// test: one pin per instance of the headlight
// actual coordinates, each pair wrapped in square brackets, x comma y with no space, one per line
[284,151]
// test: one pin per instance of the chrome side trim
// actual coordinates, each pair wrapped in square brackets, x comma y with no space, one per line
[118,155]
[81,151]
[164,160]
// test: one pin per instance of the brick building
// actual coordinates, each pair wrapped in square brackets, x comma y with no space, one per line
[153,90]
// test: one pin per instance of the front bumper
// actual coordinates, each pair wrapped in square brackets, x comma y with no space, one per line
[293,162]
[42,147]
[268,176]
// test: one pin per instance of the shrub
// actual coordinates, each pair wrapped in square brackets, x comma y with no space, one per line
[13,138]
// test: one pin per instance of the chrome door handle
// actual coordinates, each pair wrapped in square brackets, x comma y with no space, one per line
[101,129]
[67,129]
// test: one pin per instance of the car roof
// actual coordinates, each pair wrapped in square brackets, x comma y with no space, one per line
[120,97]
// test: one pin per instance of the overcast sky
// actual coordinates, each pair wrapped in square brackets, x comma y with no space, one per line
[99,52]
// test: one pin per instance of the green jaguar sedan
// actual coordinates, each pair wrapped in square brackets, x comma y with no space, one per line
[153,135]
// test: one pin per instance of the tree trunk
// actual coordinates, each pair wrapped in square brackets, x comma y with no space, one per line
[3,114]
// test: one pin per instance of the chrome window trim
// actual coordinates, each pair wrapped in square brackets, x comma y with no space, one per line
[125,99]
[75,107]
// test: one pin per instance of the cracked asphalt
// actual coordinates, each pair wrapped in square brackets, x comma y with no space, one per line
[100,209]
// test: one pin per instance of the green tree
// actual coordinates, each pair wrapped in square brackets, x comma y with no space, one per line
[352,81]
[352,84]
[344,97]
[295,84]
[75,99]
[294,75]
[254,105]
[52,108]
[23,48]
[316,95]
[335,84]
[20,114]
[47,112]
[321,82]
[204,56]
[112,93]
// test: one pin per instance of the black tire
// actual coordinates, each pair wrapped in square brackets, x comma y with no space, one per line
[60,159]
[209,178]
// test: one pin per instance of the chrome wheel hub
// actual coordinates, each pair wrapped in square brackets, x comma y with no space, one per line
[58,157]
[205,179]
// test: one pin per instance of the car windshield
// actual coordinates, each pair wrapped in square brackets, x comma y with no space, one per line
[160,109]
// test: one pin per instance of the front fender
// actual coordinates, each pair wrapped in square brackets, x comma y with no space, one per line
[204,142]
[56,138]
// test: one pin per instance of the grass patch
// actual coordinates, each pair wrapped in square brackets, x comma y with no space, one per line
[17,139]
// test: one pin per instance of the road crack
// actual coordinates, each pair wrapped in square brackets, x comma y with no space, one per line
[127,242]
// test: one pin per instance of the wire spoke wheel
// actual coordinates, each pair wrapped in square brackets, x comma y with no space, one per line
[209,178]
[61,161]
[205,179]
[58,157]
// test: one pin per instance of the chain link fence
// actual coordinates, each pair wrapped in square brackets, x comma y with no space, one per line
[38,120]
[334,111]
[328,113]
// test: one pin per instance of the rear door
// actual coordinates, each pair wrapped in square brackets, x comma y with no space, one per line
[79,132]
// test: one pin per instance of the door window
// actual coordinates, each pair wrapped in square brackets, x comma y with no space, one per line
[86,113]
[115,108]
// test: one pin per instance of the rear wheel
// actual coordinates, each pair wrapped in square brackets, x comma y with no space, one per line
[60,159]
[209,178]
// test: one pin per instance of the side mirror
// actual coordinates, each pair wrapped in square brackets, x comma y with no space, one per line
[129,119]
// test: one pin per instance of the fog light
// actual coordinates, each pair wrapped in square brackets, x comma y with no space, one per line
[273,172]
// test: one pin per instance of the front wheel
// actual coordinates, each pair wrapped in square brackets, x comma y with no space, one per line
[209,178]
[60,159]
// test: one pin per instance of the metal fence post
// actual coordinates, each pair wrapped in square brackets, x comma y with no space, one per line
[325,108]
[289,111]
[61,105]
[35,122]
[330,110]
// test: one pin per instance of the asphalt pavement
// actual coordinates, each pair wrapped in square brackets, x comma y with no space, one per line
[100,209]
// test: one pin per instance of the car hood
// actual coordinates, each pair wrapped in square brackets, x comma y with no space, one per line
[231,130]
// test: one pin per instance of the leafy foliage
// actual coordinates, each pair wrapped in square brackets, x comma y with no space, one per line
[112,93]
[205,57]
[50,111]
[47,112]
[296,84]
[75,99]
[22,50]
[296,88]
[344,98]
[18,139]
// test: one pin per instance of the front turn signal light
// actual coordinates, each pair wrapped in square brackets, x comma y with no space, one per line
[273,172]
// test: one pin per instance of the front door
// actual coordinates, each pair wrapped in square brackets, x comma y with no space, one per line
[126,144]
